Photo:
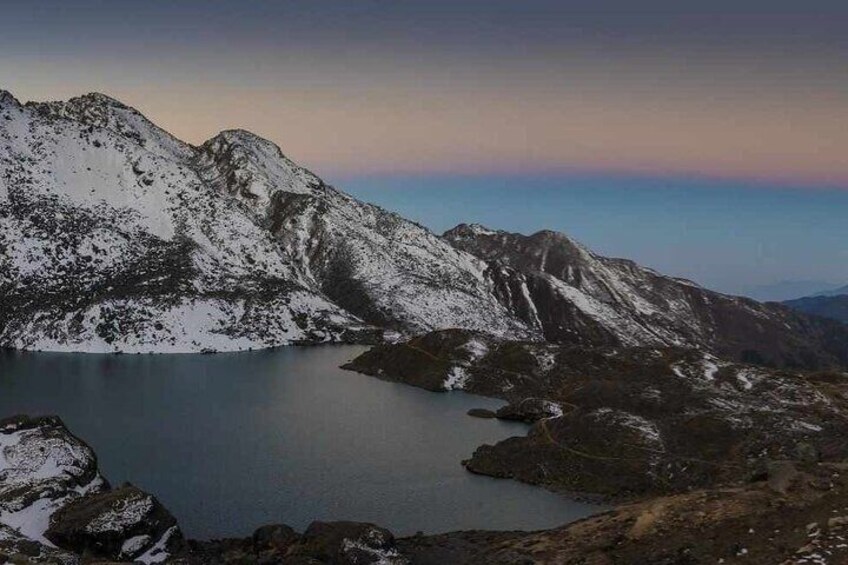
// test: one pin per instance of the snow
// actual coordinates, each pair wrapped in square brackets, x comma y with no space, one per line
[158,552]
[127,513]
[31,521]
[133,545]
[376,556]
[646,429]
[476,348]
[525,293]
[746,378]
[553,409]
[456,379]
[711,368]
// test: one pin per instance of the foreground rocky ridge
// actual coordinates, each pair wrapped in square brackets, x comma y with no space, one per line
[56,508]
[625,422]
[117,237]
[792,514]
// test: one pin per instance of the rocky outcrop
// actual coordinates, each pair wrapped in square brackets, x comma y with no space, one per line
[43,467]
[124,524]
[749,524]
[55,506]
[17,548]
[335,543]
[627,421]
[347,543]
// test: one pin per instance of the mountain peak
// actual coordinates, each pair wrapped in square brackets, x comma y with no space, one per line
[6,98]
[100,99]
[239,136]
[545,237]
[79,106]
[102,111]
[469,230]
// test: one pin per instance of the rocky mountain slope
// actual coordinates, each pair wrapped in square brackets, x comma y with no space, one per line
[571,295]
[116,236]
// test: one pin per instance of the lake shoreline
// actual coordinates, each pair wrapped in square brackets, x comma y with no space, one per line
[320,443]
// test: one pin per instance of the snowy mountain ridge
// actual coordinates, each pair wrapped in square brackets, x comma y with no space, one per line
[116,236]
[571,295]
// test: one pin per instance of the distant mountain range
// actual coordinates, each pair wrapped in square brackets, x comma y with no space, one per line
[834,307]
[841,291]
[116,236]
[831,304]
[790,290]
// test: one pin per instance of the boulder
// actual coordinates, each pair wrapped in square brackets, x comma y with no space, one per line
[530,410]
[275,538]
[781,475]
[15,548]
[348,543]
[125,524]
[482,413]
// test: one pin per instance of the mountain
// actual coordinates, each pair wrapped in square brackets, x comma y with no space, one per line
[841,291]
[834,307]
[787,290]
[117,237]
[571,295]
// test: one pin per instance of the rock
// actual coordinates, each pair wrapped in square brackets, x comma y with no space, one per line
[274,537]
[781,475]
[348,543]
[837,522]
[122,524]
[481,413]
[43,466]
[530,410]
[806,452]
[15,548]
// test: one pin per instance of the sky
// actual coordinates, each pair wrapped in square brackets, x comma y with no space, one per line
[705,139]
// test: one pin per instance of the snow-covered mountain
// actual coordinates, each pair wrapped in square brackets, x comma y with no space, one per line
[116,236]
[572,295]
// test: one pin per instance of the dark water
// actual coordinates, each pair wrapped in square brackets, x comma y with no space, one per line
[233,441]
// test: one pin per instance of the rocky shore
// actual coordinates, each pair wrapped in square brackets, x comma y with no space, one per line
[627,423]
[56,508]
